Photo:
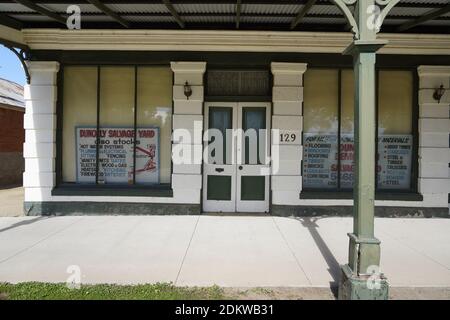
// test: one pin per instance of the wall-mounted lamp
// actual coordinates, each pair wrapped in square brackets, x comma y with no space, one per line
[187,90]
[439,93]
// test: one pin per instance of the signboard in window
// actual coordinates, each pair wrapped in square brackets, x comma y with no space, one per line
[320,161]
[347,160]
[115,156]
[394,161]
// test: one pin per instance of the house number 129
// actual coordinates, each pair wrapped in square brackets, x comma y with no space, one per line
[286,137]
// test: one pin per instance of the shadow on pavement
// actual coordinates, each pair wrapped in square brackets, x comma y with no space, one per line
[23,223]
[333,265]
[10,186]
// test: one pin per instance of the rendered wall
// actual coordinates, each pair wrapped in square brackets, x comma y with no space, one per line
[40,125]
[434,131]
[40,143]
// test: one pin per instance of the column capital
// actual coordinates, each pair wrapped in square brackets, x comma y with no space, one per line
[188,66]
[43,66]
[359,46]
[288,68]
[433,71]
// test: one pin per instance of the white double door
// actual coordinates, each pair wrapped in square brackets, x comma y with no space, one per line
[237,165]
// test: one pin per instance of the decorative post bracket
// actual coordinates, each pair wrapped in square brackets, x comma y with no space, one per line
[22,52]
[375,14]
[361,278]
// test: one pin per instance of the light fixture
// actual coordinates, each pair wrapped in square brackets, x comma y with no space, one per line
[439,93]
[187,90]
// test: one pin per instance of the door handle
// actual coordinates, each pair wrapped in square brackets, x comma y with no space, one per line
[241,167]
[220,169]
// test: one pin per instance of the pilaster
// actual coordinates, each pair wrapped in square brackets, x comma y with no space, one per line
[434,132]
[39,149]
[287,119]
[187,141]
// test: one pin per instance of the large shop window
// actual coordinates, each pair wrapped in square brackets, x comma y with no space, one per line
[328,148]
[124,110]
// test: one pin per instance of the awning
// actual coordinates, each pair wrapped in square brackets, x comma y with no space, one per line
[409,16]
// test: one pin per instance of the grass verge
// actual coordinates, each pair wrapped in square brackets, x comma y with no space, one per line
[59,291]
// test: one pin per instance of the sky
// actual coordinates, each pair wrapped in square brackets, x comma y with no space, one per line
[10,67]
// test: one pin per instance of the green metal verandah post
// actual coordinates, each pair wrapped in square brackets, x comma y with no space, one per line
[356,282]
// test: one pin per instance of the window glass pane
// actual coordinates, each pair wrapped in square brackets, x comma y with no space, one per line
[154,124]
[395,102]
[347,100]
[79,110]
[395,99]
[220,118]
[347,129]
[116,125]
[320,118]
[253,124]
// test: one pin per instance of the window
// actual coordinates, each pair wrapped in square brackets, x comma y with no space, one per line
[124,110]
[328,138]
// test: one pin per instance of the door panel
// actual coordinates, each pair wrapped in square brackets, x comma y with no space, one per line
[219,187]
[252,149]
[237,179]
[219,171]
[253,188]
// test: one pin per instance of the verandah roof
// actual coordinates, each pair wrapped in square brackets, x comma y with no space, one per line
[409,16]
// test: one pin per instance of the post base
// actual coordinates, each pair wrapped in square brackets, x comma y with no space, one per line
[354,287]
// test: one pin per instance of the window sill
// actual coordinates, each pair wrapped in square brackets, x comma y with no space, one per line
[336,195]
[113,190]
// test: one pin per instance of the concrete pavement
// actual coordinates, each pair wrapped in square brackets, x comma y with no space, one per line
[11,201]
[230,251]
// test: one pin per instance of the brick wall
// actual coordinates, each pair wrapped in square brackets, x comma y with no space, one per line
[12,136]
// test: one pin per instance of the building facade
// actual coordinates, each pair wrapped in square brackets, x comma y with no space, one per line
[121,121]
[12,134]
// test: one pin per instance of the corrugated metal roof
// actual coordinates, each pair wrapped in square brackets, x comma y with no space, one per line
[272,8]
[334,21]
[208,19]
[138,7]
[259,19]
[11,93]
[325,9]
[14,7]
[149,19]
[406,12]
[85,8]
[205,8]
[425,2]
[31,18]
[207,13]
